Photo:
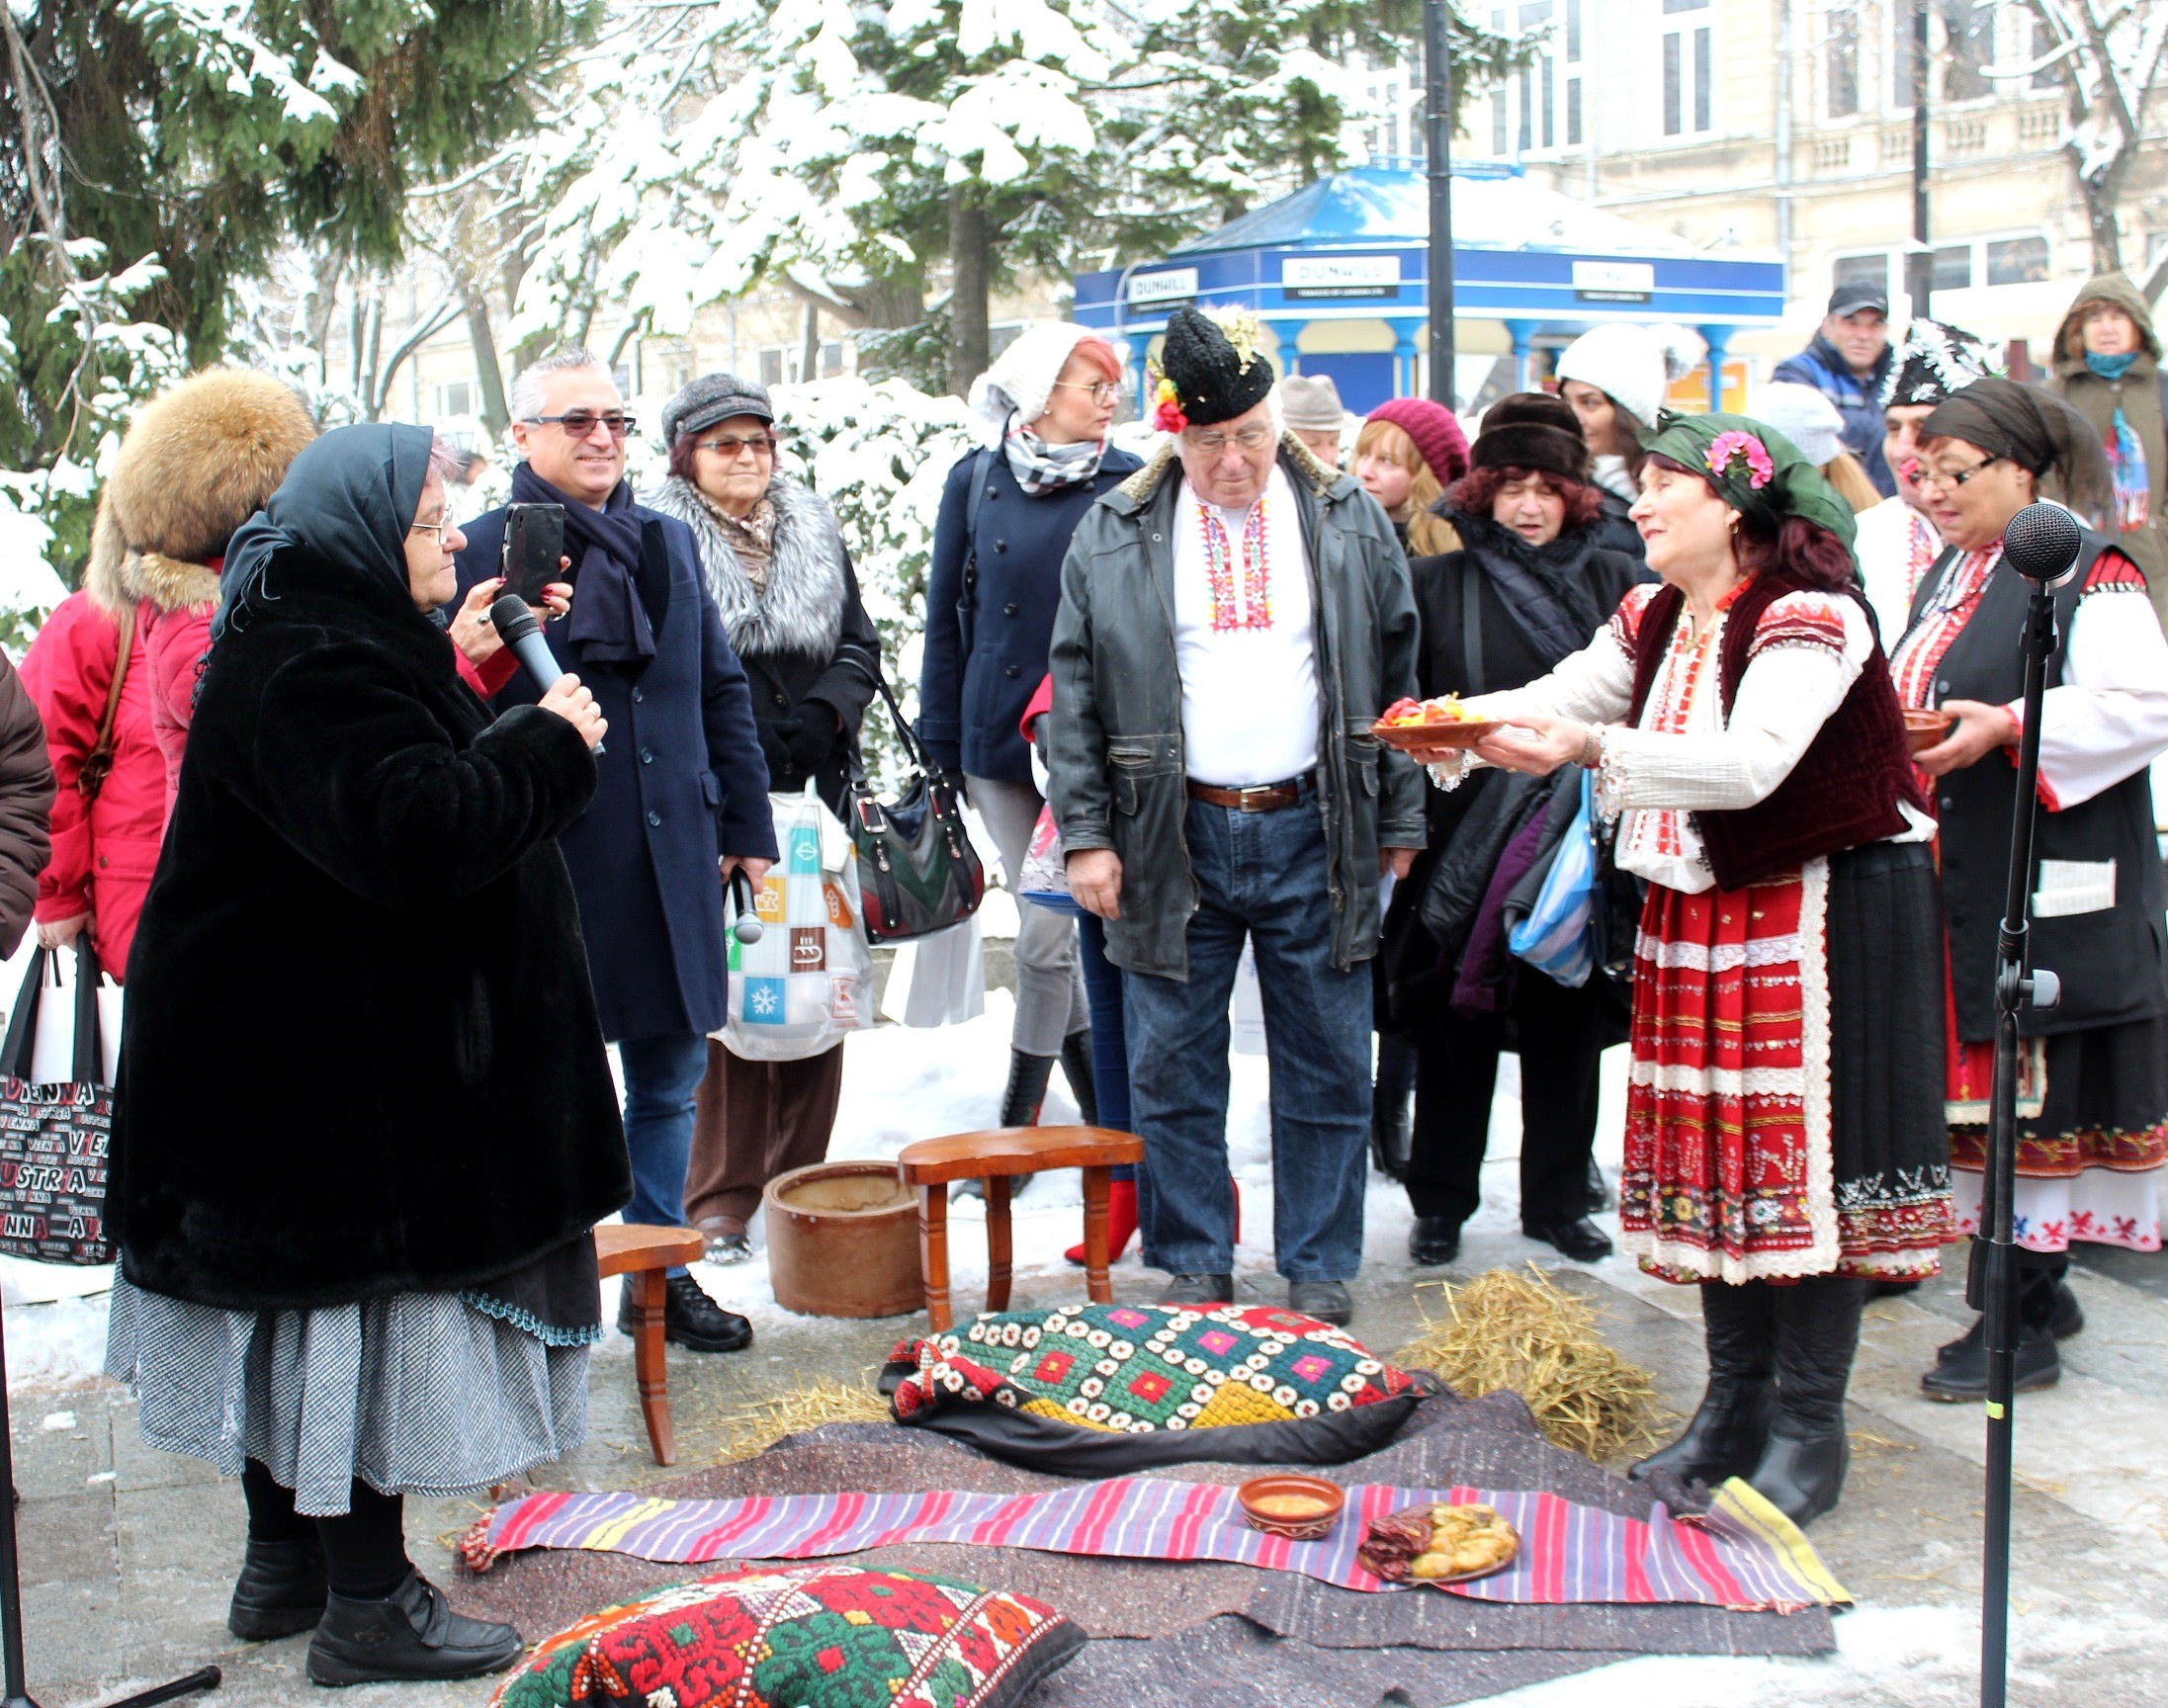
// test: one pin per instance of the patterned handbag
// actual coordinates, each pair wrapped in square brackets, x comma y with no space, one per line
[917,872]
[53,1133]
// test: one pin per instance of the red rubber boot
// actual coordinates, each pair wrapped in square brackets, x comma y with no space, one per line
[1121,1222]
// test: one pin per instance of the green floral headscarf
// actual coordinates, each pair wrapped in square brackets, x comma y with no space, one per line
[1757,470]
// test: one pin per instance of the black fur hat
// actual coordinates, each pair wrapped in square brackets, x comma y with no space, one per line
[1214,368]
[1532,430]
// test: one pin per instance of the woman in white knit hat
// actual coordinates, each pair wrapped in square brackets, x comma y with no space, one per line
[1811,421]
[1614,378]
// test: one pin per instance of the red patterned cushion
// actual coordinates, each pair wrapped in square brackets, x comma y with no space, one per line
[802,1637]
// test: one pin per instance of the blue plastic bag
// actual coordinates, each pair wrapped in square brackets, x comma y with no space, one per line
[1558,937]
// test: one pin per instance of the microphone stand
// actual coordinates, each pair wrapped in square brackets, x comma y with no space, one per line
[12,1672]
[1991,1279]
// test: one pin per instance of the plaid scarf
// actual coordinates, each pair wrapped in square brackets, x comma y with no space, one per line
[1041,467]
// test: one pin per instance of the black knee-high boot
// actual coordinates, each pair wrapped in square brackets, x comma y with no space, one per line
[1803,1471]
[1729,1431]
[281,1588]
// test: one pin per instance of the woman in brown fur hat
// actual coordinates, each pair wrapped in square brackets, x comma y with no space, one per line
[197,464]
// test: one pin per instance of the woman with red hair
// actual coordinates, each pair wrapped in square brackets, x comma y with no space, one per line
[992,591]
[1528,585]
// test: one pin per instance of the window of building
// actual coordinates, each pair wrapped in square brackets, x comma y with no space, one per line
[1840,63]
[455,398]
[1573,32]
[1952,267]
[832,359]
[1861,270]
[1686,57]
[2016,260]
[771,367]
[1573,112]
[1969,28]
[1670,6]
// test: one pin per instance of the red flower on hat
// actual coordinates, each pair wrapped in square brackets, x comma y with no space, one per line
[1761,470]
[1168,416]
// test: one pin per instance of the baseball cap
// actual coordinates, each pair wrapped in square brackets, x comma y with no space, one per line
[1852,298]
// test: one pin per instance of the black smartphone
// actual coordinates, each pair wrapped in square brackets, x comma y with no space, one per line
[534,544]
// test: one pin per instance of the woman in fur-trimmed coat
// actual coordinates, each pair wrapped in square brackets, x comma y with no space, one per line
[776,563]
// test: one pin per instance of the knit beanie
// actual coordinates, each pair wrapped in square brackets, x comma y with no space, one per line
[1311,403]
[1021,380]
[1209,370]
[1625,362]
[1532,430]
[1805,416]
[1438,437]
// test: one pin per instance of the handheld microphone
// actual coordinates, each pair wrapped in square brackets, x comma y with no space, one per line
[517,626]
[2043,543]
[746,927]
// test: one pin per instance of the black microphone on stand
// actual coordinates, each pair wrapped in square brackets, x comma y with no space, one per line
[516,627]
[2041,543]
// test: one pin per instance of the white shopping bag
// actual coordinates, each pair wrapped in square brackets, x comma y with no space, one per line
[808,980]
[52,1047]
[938,979]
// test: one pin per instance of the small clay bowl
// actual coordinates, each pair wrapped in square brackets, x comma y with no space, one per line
[1926,729]
[1310,1527]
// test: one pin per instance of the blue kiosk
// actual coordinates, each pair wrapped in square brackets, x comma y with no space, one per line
[1337,275]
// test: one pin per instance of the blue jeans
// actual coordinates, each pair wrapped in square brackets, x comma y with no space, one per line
[1259,875]
[661,1077]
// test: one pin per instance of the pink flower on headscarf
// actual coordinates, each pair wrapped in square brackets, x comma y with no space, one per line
[1759,470]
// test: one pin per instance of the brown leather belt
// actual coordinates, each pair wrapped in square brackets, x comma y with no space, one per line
[1260,798]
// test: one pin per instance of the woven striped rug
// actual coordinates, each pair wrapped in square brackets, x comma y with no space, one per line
[1742,1554]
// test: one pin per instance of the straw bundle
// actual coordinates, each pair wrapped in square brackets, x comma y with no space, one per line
[764,1423]
[1514,1329]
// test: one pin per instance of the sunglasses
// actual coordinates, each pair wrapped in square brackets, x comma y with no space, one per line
[729,448]
[578,423]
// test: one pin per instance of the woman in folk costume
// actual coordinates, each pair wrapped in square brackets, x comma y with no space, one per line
[1783,1132]
[2093,1077]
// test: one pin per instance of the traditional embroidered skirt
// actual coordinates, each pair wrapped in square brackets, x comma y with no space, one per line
[1784,1113]
[2090,1145]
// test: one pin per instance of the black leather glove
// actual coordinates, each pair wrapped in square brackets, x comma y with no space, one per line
[774,748]
[810,735]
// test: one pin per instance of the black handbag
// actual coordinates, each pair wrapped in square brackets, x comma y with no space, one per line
[53,1136]
[917,872]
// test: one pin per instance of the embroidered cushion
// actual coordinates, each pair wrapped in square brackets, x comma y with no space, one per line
[802,1637]
[1097,1390]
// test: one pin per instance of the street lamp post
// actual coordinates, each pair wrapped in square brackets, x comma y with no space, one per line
[1918,257]
[1437,128]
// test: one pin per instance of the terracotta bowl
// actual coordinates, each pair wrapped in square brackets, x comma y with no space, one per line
[1926,729]
[843,1240]
[1329,1498]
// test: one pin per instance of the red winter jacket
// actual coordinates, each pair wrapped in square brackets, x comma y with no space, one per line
[102,850]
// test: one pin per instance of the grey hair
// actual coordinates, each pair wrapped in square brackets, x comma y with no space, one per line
[446,460]
[525,402]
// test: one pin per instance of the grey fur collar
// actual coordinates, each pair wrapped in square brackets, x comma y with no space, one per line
[802,611]
[1140,486]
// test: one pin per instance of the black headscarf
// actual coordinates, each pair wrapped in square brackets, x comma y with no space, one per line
[347,501]
[2035,430]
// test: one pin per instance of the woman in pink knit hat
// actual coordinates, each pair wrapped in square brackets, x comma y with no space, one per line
[1410,449]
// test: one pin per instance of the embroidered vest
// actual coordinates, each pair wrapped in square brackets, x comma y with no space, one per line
[1845,788]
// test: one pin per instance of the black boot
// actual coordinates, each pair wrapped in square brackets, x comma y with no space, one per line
[1028,1077]
[1601,1195]
[1729,1430]
[1391,1130]
[1802,1473]
[1960,1367]
[690,1318]
[411,1634]
[1077,1069]
[281,1589]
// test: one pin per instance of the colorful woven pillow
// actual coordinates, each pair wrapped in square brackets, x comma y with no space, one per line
[1099,1390]
[802,1637]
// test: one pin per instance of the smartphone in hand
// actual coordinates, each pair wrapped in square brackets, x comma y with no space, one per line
[534,545]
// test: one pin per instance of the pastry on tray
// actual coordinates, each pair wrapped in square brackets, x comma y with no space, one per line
[1423,725]
[1438,1544]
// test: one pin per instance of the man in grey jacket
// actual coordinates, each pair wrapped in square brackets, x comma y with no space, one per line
[1234,617]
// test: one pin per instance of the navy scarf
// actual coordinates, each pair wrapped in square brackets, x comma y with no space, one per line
[609,625]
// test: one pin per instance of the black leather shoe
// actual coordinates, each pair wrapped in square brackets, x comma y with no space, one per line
[1802,1475]
[1961,1368]
[1327,1301]
[1434,1239]
[1391,1130]
[1601,1195]
[1199,1290]
[2068,1317]
[411,1634]
[691,1319]
[1726,1436]
[1581,1239]
[1890,1289]
[281,1590]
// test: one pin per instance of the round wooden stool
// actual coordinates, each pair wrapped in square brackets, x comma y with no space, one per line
[643,1255]
[995,1157]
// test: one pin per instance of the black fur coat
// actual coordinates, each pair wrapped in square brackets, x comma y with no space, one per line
[359,1053]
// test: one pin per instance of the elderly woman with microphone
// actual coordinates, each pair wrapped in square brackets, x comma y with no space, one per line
[353,1188]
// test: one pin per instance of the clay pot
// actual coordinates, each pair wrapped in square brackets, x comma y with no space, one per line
[843,1240]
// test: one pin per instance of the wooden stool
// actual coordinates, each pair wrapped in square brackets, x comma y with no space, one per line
[995,1157]
[642,1255]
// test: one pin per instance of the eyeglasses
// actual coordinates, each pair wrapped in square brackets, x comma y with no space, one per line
[1252,438]
[578,423]
[1951,479]
[730,449]
[1103,392]
[436,527]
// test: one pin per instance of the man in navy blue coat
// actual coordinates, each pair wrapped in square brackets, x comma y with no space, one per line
[681,798]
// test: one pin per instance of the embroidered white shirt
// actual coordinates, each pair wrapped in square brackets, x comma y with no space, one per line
[1244,638]
[1896,546]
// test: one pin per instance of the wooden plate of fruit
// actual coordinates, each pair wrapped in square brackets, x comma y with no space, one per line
[1430,726]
